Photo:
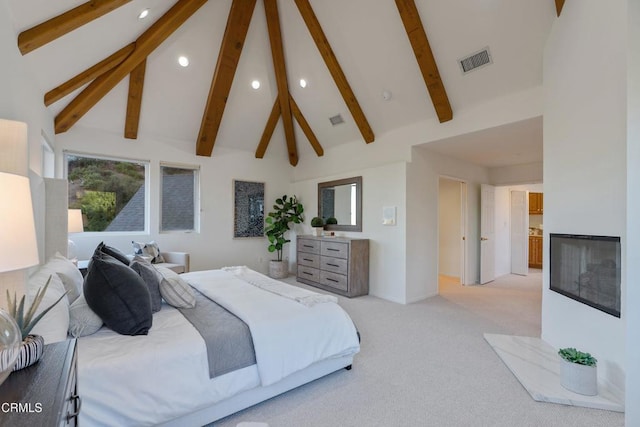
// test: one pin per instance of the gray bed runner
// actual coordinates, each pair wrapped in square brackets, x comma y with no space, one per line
[228,339]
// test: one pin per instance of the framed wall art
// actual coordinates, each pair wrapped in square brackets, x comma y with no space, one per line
[248,205]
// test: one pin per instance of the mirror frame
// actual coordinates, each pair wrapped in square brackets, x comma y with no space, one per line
[357,180]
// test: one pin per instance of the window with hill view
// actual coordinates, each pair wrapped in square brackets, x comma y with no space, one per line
[110,193]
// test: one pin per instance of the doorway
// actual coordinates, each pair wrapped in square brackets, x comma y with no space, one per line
[452,225]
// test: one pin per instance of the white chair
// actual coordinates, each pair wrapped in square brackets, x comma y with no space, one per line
[176,261]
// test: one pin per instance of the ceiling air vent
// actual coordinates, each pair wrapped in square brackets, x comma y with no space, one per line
[475,60]
[336,120]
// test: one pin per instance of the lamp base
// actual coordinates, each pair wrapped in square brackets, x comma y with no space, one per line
[72,252]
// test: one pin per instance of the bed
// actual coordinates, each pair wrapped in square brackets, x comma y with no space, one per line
[163,378]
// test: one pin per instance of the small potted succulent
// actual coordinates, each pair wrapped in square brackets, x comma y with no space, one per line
[578,371]
[32,345]
[317,223]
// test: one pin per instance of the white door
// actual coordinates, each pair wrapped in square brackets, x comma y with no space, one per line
[463,233]
[487,234]
[519,233]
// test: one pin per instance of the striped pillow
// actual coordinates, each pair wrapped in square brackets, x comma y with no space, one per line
[175,290]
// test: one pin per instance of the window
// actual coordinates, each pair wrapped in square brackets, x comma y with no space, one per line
[110,192]
[179,189]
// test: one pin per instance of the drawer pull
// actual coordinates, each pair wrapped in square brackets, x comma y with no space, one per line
[307,246]
[79,405]
[333,265]
[307,273]
[334,250]
[333,280]
[307,259]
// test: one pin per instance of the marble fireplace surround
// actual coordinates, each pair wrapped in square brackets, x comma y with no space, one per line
[536,365]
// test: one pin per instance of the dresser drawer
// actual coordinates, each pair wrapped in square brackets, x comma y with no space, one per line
[309,246]
[335,265]
[309,260]
[308,273]
[337,281]
[334,249]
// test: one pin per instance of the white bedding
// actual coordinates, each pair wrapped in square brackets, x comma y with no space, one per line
[146,380]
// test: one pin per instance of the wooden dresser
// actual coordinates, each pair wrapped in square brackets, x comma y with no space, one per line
[336,264]
[45,393]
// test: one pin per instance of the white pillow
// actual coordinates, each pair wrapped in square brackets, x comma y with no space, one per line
[175,290]
[82,320]
[68,272]
[54,325]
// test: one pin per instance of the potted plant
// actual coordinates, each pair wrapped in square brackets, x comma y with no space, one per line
[285,211]
[332,221]
[578,371]
[32,345]
[317,223]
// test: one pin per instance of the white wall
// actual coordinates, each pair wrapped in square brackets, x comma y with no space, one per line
[633,213]
[516,174]
[585,165]
[214,246]
[382,186]
[449,238]
[423,174]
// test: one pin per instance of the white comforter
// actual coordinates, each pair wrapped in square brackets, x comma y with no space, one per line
[147,380]
[288,335]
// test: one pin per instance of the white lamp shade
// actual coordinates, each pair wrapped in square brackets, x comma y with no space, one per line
[18,245]
[74,221]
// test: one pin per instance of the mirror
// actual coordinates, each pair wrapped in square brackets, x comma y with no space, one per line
[342,200]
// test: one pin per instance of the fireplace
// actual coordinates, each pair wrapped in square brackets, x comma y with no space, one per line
[587,269]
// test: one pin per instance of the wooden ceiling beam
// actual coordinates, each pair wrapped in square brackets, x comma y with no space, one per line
[88,75]
[306,128]
[268,130]
[559,5]
[134,100]
[50,30]
[313,25]
[230,50]
[279,65]
[144,45]
[427,63]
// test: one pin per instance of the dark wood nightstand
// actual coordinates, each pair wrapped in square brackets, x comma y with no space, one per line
[45,393]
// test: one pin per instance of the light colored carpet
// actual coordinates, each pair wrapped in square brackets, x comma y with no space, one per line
[427,364]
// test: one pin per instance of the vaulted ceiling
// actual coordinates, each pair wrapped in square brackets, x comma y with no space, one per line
[379,64]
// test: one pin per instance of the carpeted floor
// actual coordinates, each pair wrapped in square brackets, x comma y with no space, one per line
[427,364]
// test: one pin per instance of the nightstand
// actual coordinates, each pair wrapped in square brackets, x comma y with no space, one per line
[45,393]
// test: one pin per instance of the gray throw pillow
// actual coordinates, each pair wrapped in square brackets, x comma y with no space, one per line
[116,253]
[118,295]
[175,290]
[151,277]
[82,320]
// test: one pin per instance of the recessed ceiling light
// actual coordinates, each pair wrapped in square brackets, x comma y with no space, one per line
[255,84]
[184,61]
[303,83]
[143,14]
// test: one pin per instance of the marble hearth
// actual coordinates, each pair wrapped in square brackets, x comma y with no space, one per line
[537,366]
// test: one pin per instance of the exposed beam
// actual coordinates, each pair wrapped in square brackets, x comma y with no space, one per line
[279,65]
[134,100]
[146,43]
[424,56]
[306,128]
[88,75]
[50,30]
[268,129]
[230,50]
[330,59]
[559,4]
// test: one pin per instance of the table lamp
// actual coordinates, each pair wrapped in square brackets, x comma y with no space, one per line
[18,250]
[74,225]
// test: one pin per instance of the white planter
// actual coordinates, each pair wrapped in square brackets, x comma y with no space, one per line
[581,379]
[317,231]
[278,269]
